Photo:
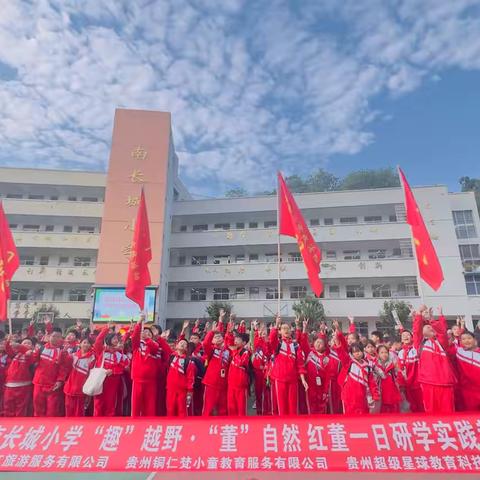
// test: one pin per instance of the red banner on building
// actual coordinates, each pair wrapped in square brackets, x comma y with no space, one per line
[407,443]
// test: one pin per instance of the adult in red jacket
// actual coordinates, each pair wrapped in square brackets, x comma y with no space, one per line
[288,367]
[260,359]
[18,381]
[180,380]
[218,359]
[144,371]
[435,372]
[238,376]
[52,371]
[107,353]
[467,360]
[390,392]
[83,360]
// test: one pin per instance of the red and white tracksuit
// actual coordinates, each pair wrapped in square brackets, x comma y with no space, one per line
[180,379]
[335,404]
[408,377]
[389,390]
[18,381]
[435,372]
[260,362]
[104,405]
[215,380]
[4,360]
[53,366]
[357,381]
[82,363]
[288,364]
[468,368]
[238,382]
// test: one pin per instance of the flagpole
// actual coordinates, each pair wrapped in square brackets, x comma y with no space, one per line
[279,281]
[414,250]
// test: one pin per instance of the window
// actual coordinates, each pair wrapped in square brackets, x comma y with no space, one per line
[464,226]
[31,228]
[253,225]
[63,261]
[68,229]
[240,259]
[334,291]
[377,253]
[89,199]
[373,219]
[298,292]
[396,252]
[294,257]
[270,224]
[222,226]
[355,291]
[470,257]
[221,293]
[221,259]
[328,221]
[49,228]
[381,291]
[77,295]
[253,257]
[392,218]
[331,254]
[199,260]
[472,282]
[27,260]
[36,197]
[82,261]
[240,293]
[182,260]
[14,195]
[19,294]
[37,294]
[54,197]
[271,257]
[272,293]
[58,295]
[179,294]
[314,222]
[409,289]
[86,229]
[348,220]
[351,254]
[183,228]
[44,260]
[254,293]
[13,226]
[200,228]
[198,294]
[72,199]
[240,225]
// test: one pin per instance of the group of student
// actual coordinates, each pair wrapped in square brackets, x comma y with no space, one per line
[288,368]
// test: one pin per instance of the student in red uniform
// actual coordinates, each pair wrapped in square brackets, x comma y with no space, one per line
[196,352]
[180,381]
[4,360]
[144,371]
[435,372]
[356,378]
[238,376]
[390,393]
[18,381]
[467,359]
[50,375]
[71,343]
[261,353]
[115,362]
[218,359]
[83,360]
[288,366]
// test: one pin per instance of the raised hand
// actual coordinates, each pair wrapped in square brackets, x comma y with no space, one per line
[336,325]
[185,325]
[351,319]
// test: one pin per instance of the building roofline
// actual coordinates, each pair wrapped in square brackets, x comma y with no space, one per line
[57,170]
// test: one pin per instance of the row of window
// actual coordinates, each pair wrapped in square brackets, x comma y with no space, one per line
[59,295]
[273,223]
[53,228]
[70,198]
[295,292]
[61,262]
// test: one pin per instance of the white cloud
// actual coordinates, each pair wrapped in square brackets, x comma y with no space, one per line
[251,87]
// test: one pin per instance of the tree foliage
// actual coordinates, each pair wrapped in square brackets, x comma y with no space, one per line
[471,185]
[236,192]
[213,309]
[311,308]
[363,179]
[403,311]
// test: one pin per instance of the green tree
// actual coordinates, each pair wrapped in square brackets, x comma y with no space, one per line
[471,185]
[387,319]
[322,181]
[213,309]
[311,308]
[363,179]
[236,192]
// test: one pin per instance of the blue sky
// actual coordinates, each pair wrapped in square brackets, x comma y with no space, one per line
[252,86]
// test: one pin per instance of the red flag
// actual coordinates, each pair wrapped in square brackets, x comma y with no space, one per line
[293,225]
[140,255]
[9,262]
[428,264]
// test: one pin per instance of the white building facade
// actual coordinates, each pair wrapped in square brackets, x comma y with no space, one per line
[226,249]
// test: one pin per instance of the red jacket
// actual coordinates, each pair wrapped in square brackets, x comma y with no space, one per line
[81,366]
[289,360]
[408,362]
[53,366]
[4,361]
[19,371]
[144,361]
[238,374]
[261,352]
[111,358]
[468,367]
[177,377]
[218,361]
[434,366]
[388,385]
